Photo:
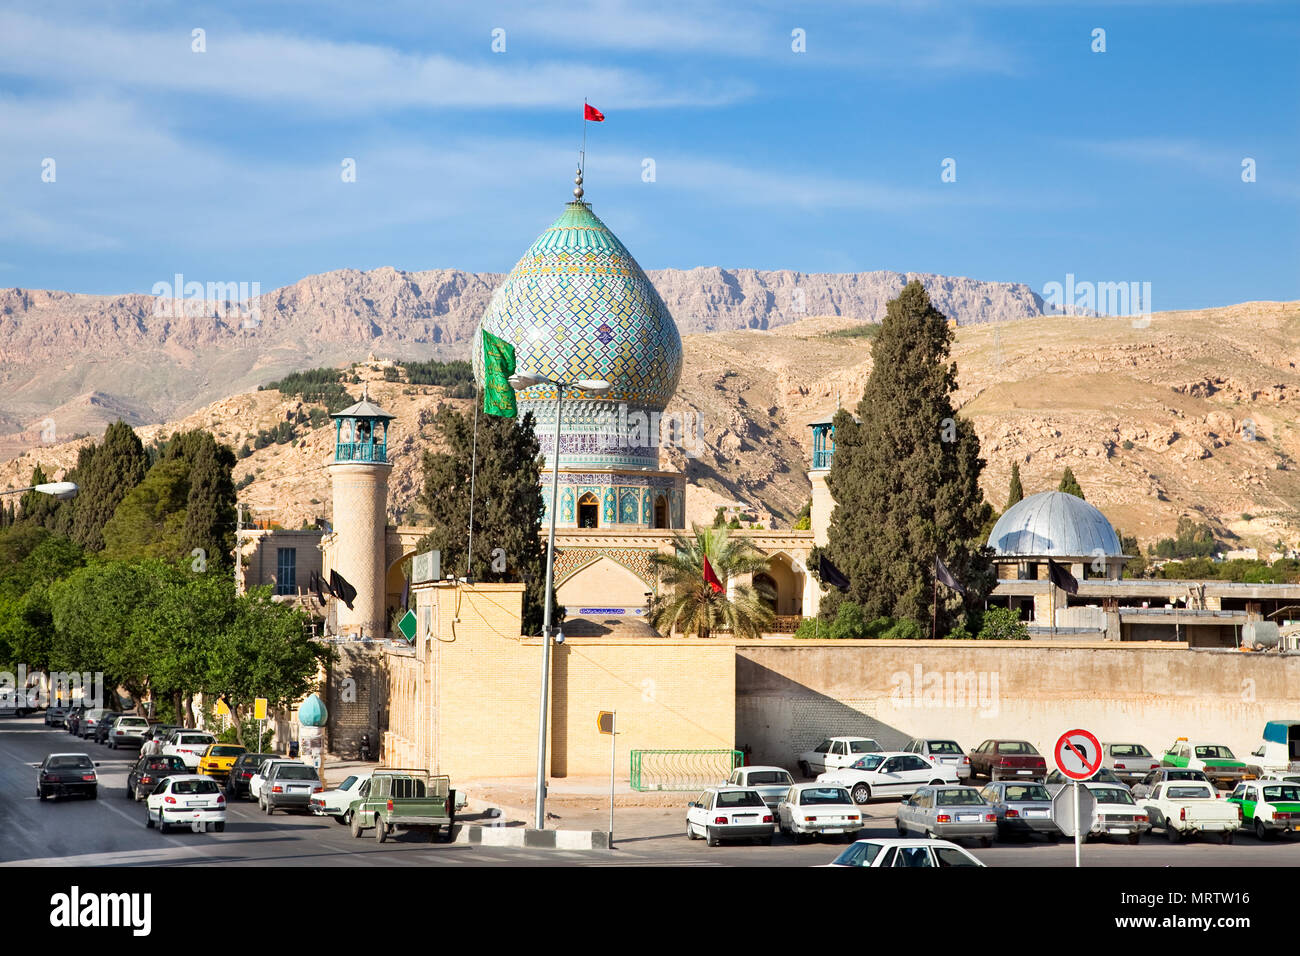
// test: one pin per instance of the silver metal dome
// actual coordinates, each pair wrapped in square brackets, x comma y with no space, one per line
[1054,524]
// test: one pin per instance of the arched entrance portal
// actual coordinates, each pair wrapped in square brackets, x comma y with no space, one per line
[588,511]
[661,512]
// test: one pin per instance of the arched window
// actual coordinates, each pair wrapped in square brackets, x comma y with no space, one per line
[661,512]
[766,588]
[588,511]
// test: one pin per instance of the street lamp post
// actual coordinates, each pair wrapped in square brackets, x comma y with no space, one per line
[521,381]
[63,490]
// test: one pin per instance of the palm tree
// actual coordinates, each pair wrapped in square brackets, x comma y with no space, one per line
[690,604]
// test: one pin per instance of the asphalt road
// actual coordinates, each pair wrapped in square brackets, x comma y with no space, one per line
[110,831]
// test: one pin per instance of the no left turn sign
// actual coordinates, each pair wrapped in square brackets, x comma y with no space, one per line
[1078,754]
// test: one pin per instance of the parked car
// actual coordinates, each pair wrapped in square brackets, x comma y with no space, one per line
[1129,762]
[727,813]
[948,811]
[190,745]
[66,775]
[71,720]
[1270,809]
[149,771]
[394,799]
[264,769]
[127,731]
[337,803]
[1116,813]
[90,720]
[160,731]
[817,809]
[105,724]
[1187,808]
[772,783]
[1217,760]
[999,759]
[834,753]
[288,786]
[1281,777]
[186,800]
[242,771]
[892,851]
[1022,807]
[56,715]
[218,759]
[1279,752]
[942,751]
[1056,780]
[1162,774]
[889,774]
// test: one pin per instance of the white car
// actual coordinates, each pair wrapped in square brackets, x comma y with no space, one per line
[187,800]
[770,782]
[336,802]
[190,745]
[889,774]
[817,809]
[893,851]
[941,751]
[834,753]
[256,780]
[729,813]
[1129,762]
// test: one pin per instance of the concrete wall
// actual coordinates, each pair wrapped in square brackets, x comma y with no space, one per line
[791,695]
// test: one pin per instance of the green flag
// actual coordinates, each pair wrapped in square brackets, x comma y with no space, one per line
[498,366]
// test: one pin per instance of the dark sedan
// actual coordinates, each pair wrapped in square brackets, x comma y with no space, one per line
[104,726]
[66,775]
[242,771]
[148,771]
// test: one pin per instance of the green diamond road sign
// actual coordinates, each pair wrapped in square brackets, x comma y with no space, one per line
[407,626]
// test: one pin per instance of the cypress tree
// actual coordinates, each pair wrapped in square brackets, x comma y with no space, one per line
[508,506]
[210,506]
[106,474]
[906,479]
[1069,484]
[40,509]
[1016,493]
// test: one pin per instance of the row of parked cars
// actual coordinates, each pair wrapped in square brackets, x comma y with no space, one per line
[1132,792]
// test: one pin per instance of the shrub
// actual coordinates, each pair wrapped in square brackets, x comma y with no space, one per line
[1002,624]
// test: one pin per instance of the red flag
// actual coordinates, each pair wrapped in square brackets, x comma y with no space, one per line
[590,112]
[711,579]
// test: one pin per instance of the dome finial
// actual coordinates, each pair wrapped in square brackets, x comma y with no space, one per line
[577,185]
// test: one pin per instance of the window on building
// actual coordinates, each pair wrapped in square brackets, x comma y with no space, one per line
[286,571]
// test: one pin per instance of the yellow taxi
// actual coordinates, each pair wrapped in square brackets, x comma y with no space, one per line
[218,759]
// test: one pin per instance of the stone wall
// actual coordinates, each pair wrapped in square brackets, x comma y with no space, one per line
[356,696]
[791,695]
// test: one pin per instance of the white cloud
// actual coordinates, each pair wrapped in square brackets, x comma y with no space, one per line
[339,77]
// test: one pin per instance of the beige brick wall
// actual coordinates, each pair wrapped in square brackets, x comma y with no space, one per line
[464,701]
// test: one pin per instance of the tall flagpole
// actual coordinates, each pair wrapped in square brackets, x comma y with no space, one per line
[473,467]
[582,154]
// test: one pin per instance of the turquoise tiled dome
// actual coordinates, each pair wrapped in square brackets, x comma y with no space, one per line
[312,712]
[578,306]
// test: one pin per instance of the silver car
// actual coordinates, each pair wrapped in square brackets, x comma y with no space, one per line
[948,812]
[1023,808]
[772,783]
[942,751]
[1129,762]
[1148,783]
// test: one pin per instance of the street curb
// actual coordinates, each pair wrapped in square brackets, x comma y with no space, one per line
[532,839]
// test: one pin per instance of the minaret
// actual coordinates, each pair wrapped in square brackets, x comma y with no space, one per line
[359,472]
[823,452]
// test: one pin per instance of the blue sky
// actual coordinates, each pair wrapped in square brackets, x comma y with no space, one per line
[225,165]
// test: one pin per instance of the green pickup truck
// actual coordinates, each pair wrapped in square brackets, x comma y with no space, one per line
[394,799]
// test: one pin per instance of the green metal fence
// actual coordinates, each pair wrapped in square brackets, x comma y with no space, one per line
[682,769]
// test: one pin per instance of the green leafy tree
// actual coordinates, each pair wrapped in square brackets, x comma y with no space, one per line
[508,505]
[720,517]
[150,521]
[1002,624]
[690,605]
[906,480]
[26,616]
[1070,484]
[803,521]
[106,473]
[1136,566]
[35,508]
[1016,492]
